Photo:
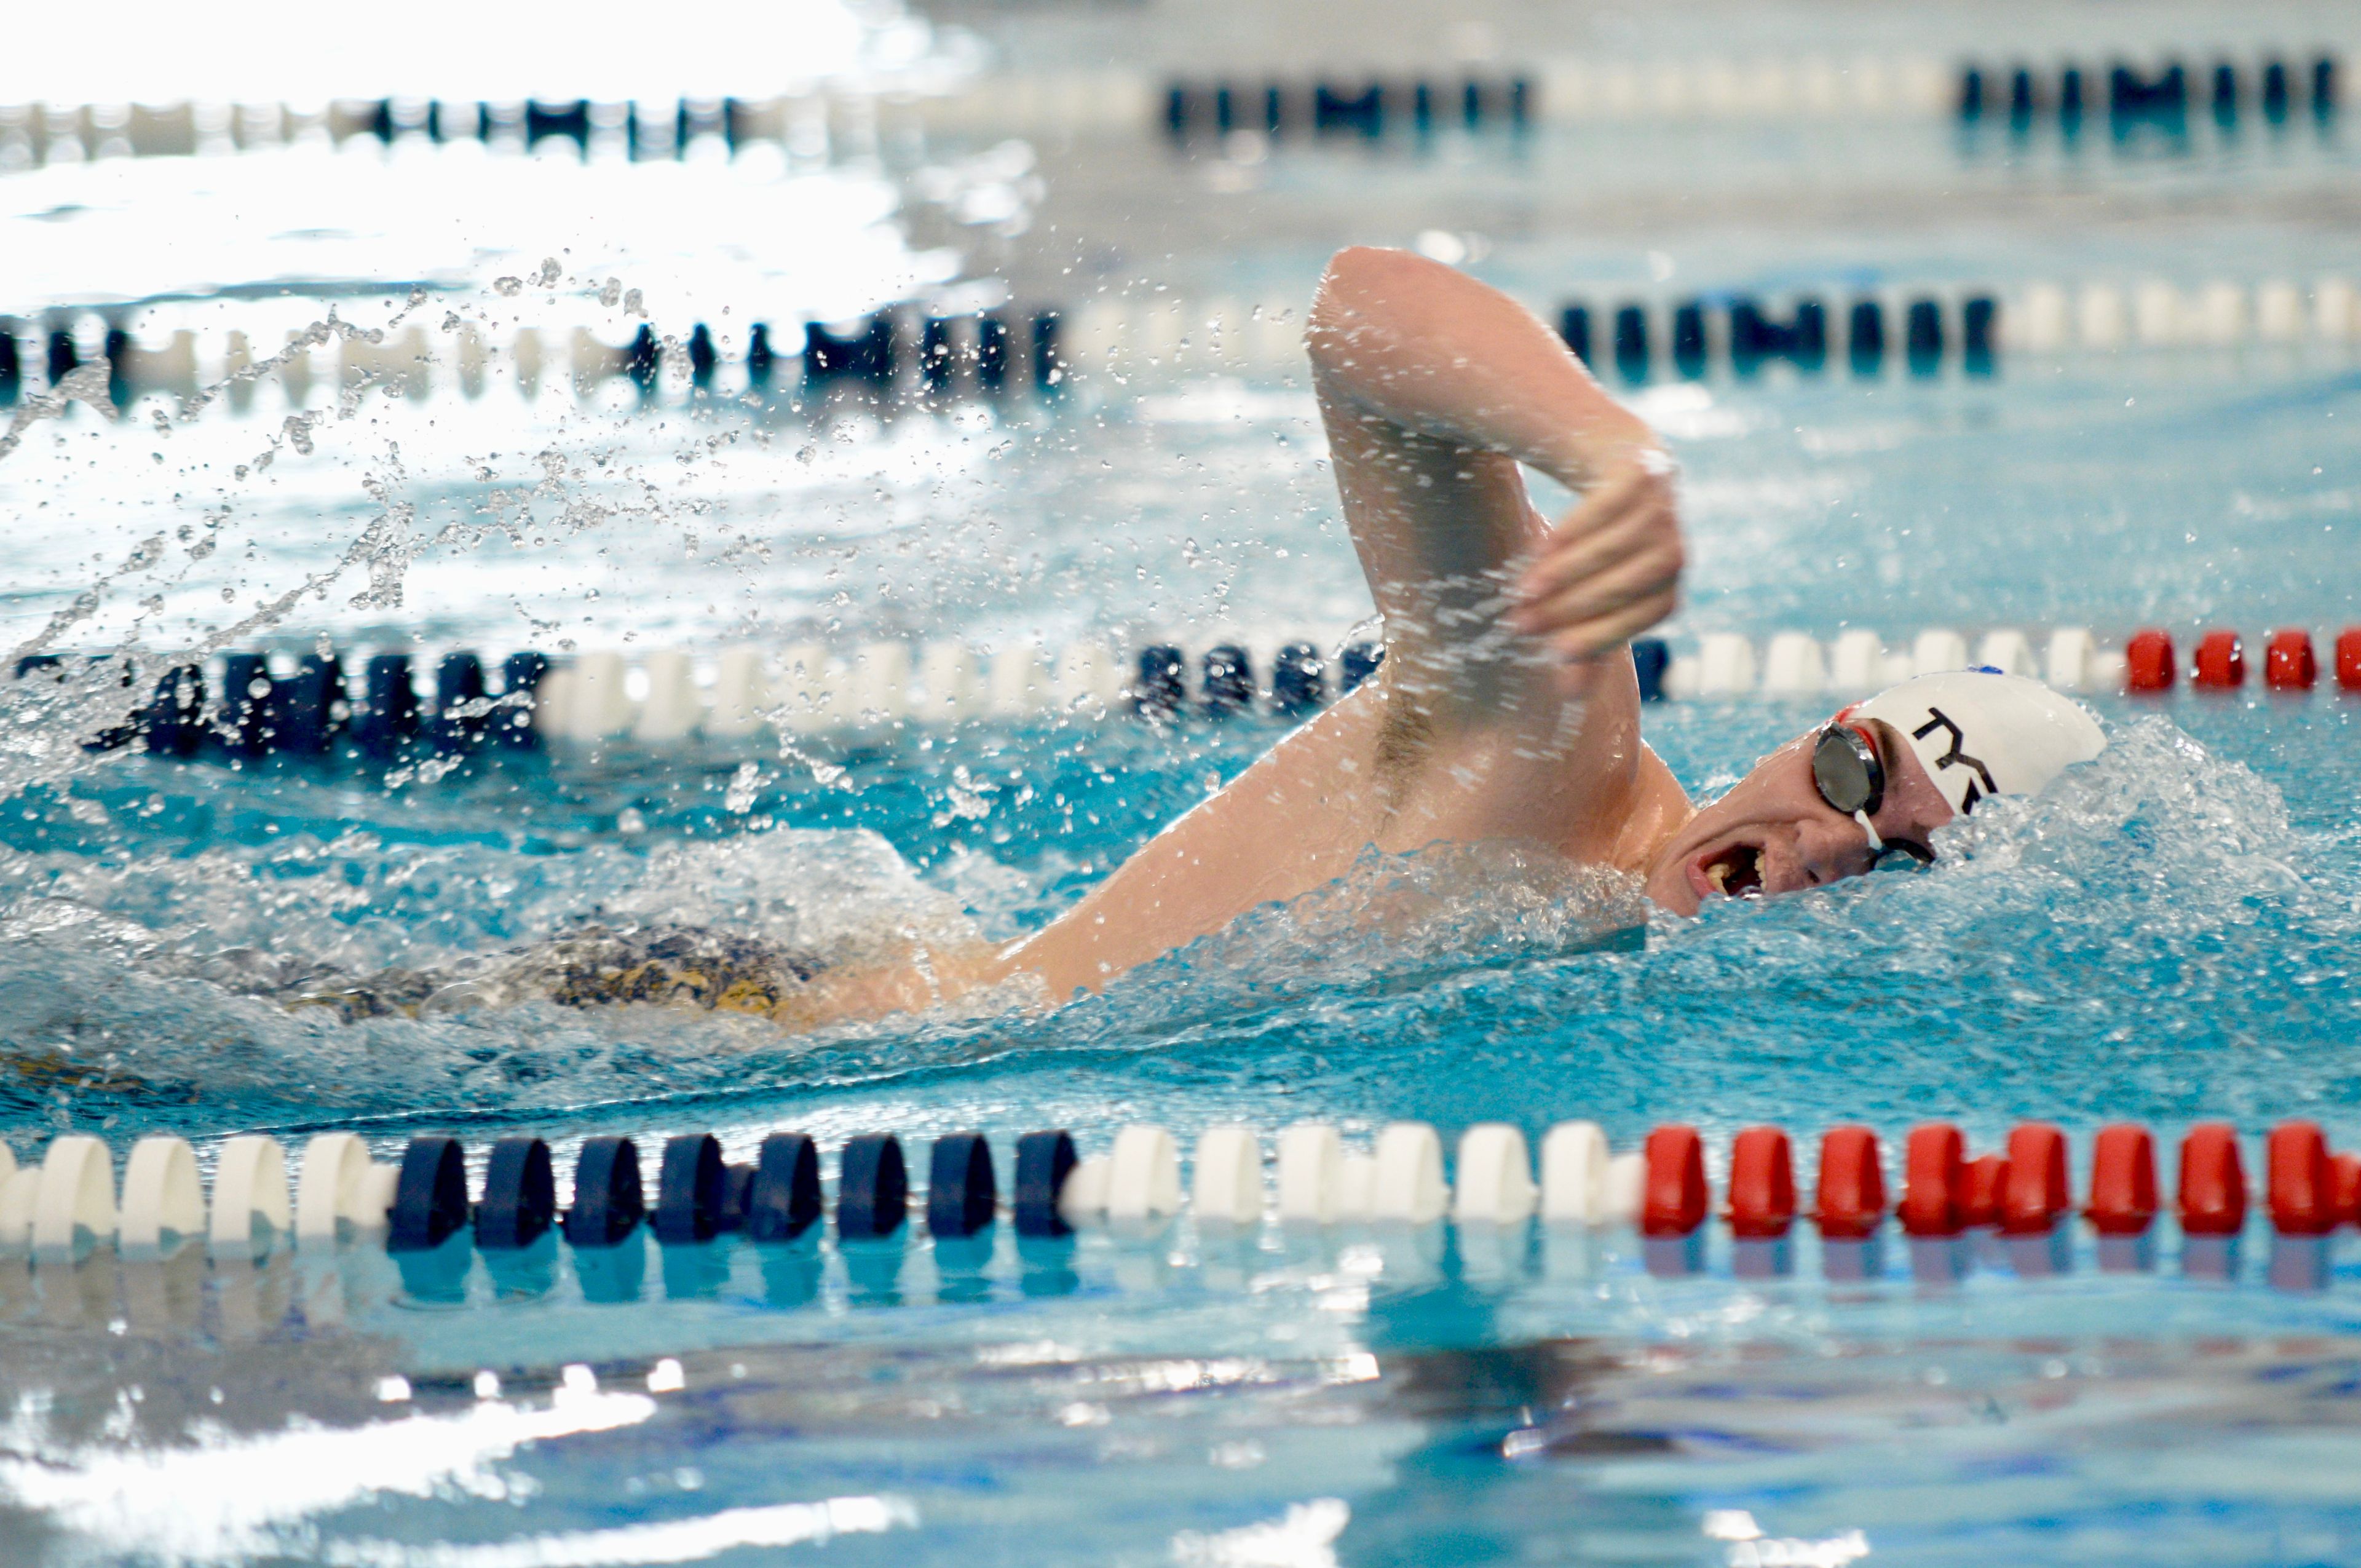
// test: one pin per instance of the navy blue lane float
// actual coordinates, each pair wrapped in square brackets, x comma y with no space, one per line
[691,1192]
[311,711]
[1162,687]
[519,1195]
[643,130]
[244,718]
[963,1196]
[607,1204]
[700,1196]
[1044,1160]
[784,1198]
[1226,681]
[459,705]
[1747,333]
[173,724]
[308,707]
[430,1197]
[986,353]
[873,1187]
[1360,107]
[1299,680]
[2139,100]
[312,714]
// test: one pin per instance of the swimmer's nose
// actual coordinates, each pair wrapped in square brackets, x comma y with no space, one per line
[1832,852]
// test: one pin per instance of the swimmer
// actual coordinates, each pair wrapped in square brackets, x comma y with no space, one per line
[1506,707]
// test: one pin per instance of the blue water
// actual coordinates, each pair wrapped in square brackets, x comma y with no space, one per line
[2163,939]
[2166,937]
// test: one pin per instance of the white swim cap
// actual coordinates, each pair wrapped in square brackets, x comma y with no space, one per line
[1981,732]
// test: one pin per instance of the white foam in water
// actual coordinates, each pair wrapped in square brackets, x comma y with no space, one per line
[2153,847]
[78,962]
[2159,871]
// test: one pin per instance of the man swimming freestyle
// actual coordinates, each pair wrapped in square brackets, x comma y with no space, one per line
[1506,706]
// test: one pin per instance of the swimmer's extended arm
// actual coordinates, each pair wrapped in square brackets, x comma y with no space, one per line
[1433,388]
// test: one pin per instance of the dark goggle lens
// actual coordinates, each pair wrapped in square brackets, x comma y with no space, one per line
[1847,772]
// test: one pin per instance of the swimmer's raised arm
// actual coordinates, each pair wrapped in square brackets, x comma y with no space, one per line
[1494,715]
[1434,386]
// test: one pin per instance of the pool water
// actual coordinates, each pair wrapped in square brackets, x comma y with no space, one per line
[2172,927]
[2166,938]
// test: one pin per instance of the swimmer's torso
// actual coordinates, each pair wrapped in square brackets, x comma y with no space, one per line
[1299,818]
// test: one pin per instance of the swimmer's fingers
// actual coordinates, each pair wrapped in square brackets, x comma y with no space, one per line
[1607,606]
[1615,493]
[1581,549]
[1609,632]
[1615,518]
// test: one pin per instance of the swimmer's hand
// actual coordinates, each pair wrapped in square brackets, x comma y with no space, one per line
[1611,567]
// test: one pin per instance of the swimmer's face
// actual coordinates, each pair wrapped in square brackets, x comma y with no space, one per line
[1772,832]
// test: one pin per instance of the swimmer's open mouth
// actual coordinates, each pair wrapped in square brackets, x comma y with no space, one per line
[1736,872]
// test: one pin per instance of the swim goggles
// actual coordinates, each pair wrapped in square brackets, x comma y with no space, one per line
[1850,777]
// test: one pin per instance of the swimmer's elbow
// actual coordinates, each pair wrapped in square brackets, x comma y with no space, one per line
[1353,268]
[1360,282]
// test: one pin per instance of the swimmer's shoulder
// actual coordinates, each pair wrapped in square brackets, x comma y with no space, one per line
[1658,809]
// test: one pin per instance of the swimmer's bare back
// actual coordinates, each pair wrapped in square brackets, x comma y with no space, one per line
[1506,706]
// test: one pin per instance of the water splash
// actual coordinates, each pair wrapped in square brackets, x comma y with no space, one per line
[2152,909]
[162,981]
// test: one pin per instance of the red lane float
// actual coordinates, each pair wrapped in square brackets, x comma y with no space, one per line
[2221,660]
[2212,1182]
[1762,1184]
[2123,1181]
[2348,659]
[1934,1181]
[2036,1193]
[1850,1201]
[2288,664]
[1986,1187]
[1673,1202]
[2301,1182]
[2344,1170]
[2147,662]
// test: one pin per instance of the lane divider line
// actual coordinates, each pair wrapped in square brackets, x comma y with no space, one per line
[909,353]
[2158,93]
[2024,1190]
[672,698]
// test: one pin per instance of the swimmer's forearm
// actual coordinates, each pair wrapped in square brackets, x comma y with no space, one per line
[1432,350]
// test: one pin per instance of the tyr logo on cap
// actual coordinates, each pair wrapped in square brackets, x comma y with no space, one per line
[1955,757]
